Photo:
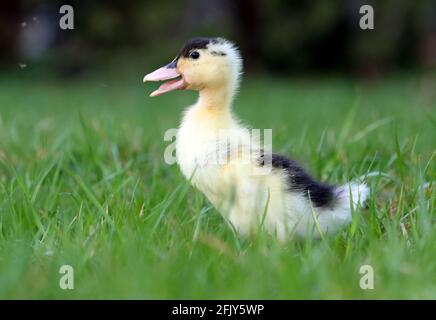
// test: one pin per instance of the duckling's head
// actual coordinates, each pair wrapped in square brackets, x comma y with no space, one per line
[202,63]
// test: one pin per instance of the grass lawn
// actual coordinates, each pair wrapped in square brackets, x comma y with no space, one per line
[83,183]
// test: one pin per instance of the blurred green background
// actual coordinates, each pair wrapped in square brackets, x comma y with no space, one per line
[275,36]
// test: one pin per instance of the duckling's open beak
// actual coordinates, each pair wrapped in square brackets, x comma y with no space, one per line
[166,73]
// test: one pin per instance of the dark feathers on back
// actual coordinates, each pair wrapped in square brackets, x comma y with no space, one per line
[320,194]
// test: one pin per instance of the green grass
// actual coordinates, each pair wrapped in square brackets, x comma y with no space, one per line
[83,183]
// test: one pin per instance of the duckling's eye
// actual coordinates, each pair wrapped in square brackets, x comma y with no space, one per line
[194,55]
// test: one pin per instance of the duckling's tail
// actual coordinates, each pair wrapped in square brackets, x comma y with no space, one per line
[346,199]
[352,194]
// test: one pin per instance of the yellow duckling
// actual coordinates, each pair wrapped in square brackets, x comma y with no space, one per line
[246,182]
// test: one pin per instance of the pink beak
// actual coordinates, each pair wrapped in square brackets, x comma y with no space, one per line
[166,73]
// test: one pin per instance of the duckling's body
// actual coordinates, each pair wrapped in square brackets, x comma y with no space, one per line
[263,189]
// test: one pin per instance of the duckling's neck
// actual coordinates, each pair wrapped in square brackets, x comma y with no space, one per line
[212,110]
[216,99]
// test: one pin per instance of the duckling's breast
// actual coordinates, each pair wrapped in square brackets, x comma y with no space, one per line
[230,180]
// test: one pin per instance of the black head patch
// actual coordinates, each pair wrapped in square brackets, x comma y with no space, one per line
[196,43]
[192,44]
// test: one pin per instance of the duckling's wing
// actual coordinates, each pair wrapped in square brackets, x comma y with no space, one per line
[298,180]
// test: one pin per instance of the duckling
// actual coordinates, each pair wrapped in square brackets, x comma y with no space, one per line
[283,199]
